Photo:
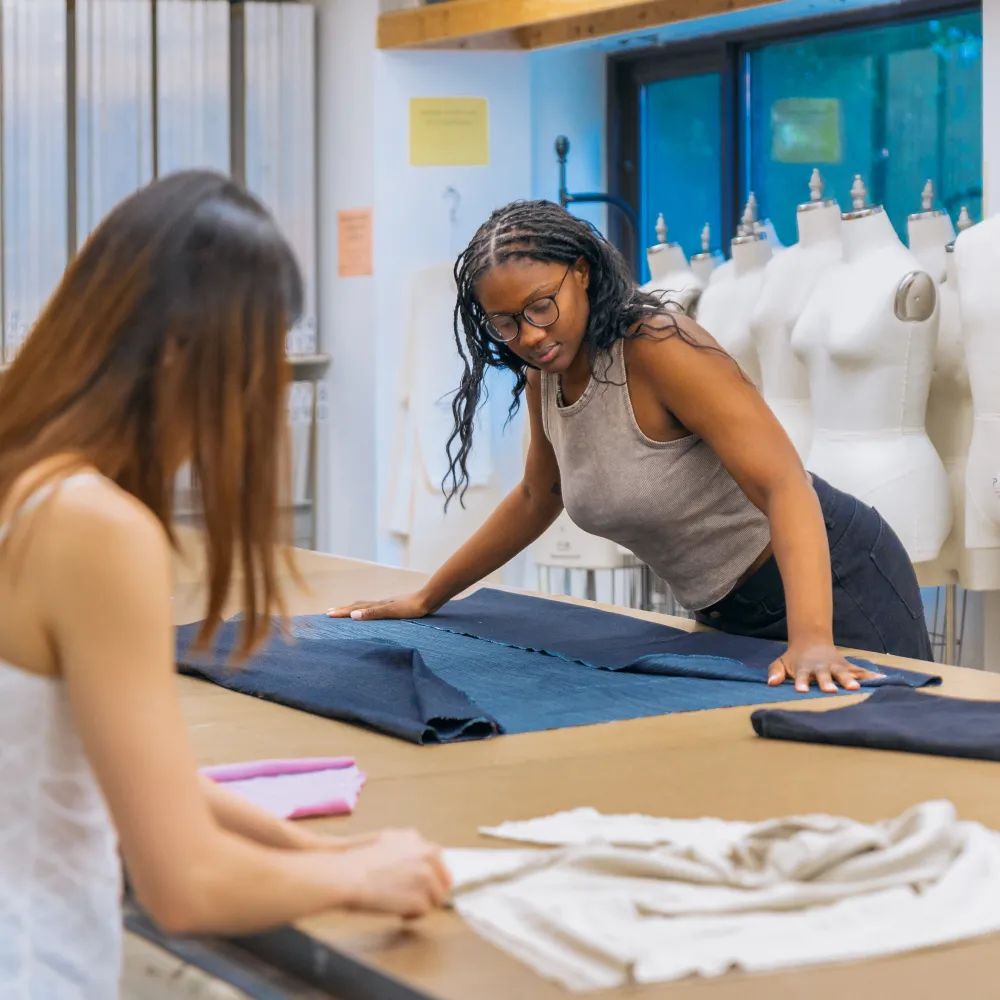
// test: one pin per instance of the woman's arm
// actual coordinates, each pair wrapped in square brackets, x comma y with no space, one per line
[520,519]
[707,392]
[105,574]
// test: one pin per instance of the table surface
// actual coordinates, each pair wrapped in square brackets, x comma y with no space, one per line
[685,765]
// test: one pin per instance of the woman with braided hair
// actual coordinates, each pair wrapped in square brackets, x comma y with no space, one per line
[651,436]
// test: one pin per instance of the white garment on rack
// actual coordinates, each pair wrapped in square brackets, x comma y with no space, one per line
[632,899]
[429,378]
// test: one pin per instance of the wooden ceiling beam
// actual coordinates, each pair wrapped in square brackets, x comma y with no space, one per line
[535,24]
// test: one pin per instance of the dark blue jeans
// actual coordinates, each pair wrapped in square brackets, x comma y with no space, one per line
[876,598]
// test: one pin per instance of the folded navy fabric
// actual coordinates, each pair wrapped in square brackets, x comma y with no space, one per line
[620,642]
[895,719]
[385,687]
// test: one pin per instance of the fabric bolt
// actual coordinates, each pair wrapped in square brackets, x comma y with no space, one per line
[876,598]
[672,503]
[425,682]
[895,719]
[294,789]
[384,686]
[620,900]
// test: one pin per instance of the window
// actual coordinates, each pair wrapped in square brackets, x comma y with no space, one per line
[696,126]
[34,161]
[114,105]
[192,39]
[681,150]
[898,104]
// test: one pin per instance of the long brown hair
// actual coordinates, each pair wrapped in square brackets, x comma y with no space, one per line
[164,343]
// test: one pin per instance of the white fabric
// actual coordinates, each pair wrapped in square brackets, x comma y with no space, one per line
[60,881]
[631,899]
[429,377]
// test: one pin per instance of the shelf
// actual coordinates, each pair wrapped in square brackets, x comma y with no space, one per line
[537,24]
[316,363]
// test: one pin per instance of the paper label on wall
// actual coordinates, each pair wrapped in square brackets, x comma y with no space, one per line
[806,130]
[354,243]
[449,132]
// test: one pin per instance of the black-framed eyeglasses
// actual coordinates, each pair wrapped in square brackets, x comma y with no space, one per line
[540,314]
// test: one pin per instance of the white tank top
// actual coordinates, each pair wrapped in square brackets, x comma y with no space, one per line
[60,877]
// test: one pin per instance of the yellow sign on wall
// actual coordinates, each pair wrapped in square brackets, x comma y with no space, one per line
[449,132]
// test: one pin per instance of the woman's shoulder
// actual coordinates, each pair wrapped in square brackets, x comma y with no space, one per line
[83,514]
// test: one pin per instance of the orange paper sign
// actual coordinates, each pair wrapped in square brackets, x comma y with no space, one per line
[354,243]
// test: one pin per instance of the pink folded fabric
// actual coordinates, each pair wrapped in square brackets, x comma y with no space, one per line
[294,789]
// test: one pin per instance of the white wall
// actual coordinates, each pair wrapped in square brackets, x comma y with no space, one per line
[364,161]
[412,224]
[569,97]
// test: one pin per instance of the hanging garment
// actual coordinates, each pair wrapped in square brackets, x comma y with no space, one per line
[500,663]
[429,378]
[294,789]
[619,900]
[896,720]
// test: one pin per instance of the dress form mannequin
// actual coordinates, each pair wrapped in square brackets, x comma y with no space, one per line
[930,231]
[868,338]
[706,263]
[673,280]
[726,307]
[949,424]
[789,281]
[976,257]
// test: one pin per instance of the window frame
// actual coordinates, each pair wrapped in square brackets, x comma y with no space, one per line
[728,54]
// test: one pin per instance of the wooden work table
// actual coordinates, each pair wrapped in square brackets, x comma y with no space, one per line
[685,765]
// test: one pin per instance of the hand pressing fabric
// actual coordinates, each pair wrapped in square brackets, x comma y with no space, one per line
[821,662]
[406,607]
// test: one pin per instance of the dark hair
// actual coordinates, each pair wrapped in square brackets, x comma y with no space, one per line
[170,321]
[542,231]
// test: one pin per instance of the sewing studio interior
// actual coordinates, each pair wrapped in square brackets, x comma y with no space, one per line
[499,499]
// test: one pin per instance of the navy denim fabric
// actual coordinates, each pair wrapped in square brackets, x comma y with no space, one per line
[383,686]
[895,719]
[876,598]
[619,642]
[355,671]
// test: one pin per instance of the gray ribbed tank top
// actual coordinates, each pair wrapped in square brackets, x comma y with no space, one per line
[672,504]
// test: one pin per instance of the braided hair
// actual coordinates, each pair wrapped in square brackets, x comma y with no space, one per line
[541,231]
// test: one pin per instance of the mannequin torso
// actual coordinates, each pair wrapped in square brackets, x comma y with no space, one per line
[727,306]
[789,281]
[977,257]
[673,279]
[929,234]
[869,375]
[949,424]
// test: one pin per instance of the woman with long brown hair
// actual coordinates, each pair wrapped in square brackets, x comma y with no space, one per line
[163,345]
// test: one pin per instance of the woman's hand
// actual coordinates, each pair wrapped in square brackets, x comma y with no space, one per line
[398,873]
[821,662]
[408,606]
